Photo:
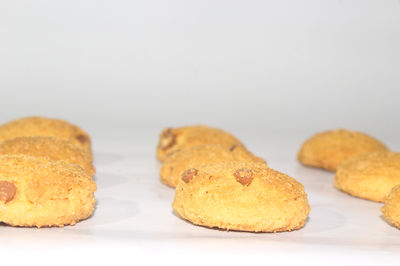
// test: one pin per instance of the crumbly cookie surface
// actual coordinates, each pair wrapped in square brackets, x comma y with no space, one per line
[51,147]
[174,139]
[242,196]
[391,209]
[193,157]
[39,192]
[370,176]
[329,149]
[39,126]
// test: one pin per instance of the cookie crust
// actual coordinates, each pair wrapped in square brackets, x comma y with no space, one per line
[40,126]
[391,209]
[267,201]
[47,193]
[193,157]
[53,148]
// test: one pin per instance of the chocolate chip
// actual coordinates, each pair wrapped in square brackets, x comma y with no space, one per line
[244,176]
[233,147]
[189,174]
[168,139]
[82,138]
[7,191]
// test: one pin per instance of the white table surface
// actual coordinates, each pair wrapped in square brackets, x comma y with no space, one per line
[134,221]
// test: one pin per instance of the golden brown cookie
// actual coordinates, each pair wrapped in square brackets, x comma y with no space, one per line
[329,149]
[193,157]
[174,139]
[39,126]
[391,210]
[370,176]
[36,191]
[242,196]
[51,147]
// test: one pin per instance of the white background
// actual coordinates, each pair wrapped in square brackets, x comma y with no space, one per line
[271,72]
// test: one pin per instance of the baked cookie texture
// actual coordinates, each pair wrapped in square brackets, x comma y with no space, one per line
[243,196]
[38,192]
[391,209]
[39,126]
[370,176]
[174,139]
[193,157]
[329,149]
[51,147]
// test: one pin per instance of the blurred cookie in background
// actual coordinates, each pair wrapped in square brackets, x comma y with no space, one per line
[174,139]
[329,149]
[371,176]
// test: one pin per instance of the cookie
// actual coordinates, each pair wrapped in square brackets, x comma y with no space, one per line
[179,161]
[329,149]
[39,126]
[370,176]
[243,196]
[51,147]
[39,192]
[174,139]
[391,209]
